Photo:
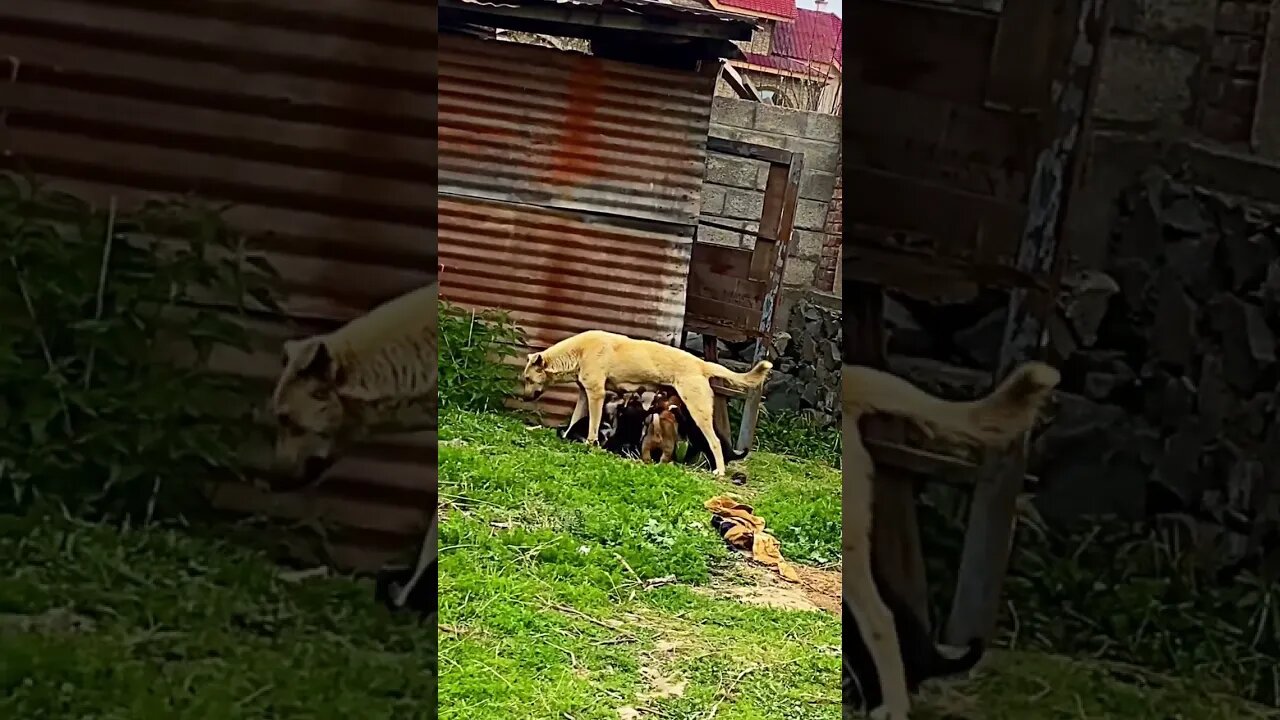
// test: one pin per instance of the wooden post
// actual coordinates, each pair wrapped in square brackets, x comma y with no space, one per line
[988,541]
[896,549]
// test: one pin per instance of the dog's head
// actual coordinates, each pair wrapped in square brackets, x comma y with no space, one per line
[309,409]
[535,376]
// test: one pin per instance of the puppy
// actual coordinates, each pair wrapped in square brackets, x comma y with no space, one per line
[629,430]
[921,659]
[661,432]
[608,425]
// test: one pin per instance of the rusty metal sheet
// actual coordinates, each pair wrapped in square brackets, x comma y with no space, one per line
[315,118]
[569,190]
[533,125]
[561,272]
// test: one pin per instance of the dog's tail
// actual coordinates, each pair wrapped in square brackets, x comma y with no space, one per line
[749,379]
[942,666]
[1010,409]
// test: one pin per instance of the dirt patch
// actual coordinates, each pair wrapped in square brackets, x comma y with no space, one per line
[662,685]
[818,589]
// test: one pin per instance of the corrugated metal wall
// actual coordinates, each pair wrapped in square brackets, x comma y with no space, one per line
[569,189]
[315,117]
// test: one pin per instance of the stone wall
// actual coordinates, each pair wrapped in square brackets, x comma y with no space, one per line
[1184,65]
[733,191]
[806,376]
[1169,353]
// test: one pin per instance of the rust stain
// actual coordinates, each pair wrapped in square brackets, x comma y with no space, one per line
[575,155]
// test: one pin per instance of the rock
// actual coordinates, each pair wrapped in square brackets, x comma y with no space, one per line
[1167,400]
[906,335]
[1247,259]
[1248,345]
[1179,469]
[1134,277]
[942,379]
[781,343]
[1173,333]
[782,392]
[1193,261]
[1086,463]
[1099,386]
[981,342]
[808,348]
[1213,397]
[1185,215]
[696,345]
[1085,302]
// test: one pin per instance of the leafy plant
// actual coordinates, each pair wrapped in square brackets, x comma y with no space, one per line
[109,321]
[473,349]
[793,433]
[1132,593]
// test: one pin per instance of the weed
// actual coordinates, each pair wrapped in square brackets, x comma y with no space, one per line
[110,319]
[474,347]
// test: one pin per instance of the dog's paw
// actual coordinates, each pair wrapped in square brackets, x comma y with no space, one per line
[884,713]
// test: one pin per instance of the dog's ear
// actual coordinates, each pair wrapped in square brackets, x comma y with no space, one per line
[311,358]
[536,360]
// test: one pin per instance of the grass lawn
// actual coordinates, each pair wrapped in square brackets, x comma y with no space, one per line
[575,585]
[160,625]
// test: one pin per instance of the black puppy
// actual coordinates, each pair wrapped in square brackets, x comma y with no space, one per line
[621,428]
[698,448]
[860,683]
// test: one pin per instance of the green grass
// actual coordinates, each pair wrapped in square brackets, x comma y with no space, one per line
[1032,686]
[574,585]
[175,626]
[550,609]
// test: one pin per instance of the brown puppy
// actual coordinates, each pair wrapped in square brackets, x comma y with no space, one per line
[661,429]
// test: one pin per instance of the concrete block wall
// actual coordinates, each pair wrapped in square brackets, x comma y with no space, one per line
[733,189]
[1184,65]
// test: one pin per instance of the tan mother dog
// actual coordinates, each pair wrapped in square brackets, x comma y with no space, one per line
[377,370]
[994,421]
[600,360]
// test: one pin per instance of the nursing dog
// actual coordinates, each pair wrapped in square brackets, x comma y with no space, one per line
[994,422]
[921,659]
[601,361]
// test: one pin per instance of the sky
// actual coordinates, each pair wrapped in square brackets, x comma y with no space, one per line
[833,6]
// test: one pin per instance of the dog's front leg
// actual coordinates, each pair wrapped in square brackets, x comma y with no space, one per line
[594,392]
[579,409]
[426,557]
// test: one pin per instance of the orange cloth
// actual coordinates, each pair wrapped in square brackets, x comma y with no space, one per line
[747,532]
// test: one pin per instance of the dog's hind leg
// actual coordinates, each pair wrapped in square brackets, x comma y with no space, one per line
[699,400]
[875,620]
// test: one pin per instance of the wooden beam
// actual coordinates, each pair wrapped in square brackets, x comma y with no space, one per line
[1266,113]
[984,560]
[896,549]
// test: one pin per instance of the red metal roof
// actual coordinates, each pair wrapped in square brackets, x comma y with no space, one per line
[814,36]
[775,8]
[777,62]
